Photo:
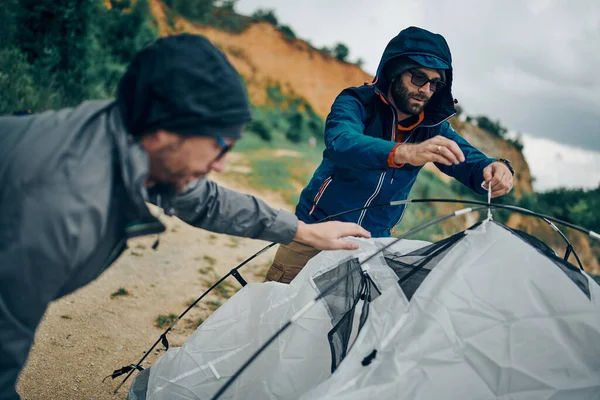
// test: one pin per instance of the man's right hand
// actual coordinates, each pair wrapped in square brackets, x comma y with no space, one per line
[437,149]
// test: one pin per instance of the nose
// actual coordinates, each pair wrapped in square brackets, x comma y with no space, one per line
[219,165]
[426,88]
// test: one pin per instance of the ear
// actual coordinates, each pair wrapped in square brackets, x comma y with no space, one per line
[163,136]
[149,141]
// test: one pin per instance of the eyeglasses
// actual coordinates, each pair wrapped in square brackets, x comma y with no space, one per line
[420,79]
[224,147]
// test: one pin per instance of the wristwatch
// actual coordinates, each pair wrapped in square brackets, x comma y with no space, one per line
[508,164]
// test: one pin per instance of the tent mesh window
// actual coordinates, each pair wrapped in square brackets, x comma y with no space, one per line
[413,268]
[341,303]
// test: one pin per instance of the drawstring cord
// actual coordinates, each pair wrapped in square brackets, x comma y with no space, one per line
[489,200]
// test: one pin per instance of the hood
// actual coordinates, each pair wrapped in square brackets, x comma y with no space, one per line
[430,50]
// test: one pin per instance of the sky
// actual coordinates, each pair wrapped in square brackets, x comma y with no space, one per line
[559,165]
[534,65]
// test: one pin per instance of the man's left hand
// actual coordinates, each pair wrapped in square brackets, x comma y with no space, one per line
[329,235]
[498,175]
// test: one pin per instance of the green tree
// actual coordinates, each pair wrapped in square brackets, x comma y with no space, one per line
[326,50]
[16,84]
[578,206]
[288,33]
[120,33]
[295,132]
[265,15]
[226,4]
[341,52]
[260,124]
[517,142]
[56,38]
[126,28]
[315,125]
[7,22]
[359,63]
[194,10]
[495,128]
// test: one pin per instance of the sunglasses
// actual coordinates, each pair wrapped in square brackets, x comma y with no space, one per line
[224,147]
[420,79]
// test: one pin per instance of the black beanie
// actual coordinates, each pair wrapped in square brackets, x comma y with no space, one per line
[185,85]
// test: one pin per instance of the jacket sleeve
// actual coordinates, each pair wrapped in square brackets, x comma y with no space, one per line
[209,206]
[469,172]
[39,242]
[347,145]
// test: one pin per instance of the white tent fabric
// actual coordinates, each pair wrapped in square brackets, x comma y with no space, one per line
[495,319]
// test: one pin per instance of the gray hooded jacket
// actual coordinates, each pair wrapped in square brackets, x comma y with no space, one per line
[71,194]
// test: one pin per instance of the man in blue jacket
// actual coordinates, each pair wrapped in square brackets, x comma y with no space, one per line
[379,136]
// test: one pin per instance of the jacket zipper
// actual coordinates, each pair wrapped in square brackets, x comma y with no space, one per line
[439,123]
[401,216]
[368,203]
[382,176]
[326,183]
[394,131]
[148,228]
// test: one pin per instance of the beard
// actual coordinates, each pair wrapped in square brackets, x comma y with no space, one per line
[404,99]
[166,174]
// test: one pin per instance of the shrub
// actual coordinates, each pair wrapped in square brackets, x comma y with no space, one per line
[260,128]
[495,128]
[266,16]
[341,52]
[288,33]
[295,132]
[16,83]
[165,320]
[517,143]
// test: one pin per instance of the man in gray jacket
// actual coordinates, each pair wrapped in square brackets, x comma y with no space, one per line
[75,183]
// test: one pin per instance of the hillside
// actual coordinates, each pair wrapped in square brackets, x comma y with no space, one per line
[263,56]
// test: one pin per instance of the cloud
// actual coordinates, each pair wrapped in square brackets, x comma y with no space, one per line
[531,64]
[556,165]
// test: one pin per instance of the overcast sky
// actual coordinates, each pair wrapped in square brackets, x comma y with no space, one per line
[532,64]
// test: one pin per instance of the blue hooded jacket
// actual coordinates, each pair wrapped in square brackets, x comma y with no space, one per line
[360,133]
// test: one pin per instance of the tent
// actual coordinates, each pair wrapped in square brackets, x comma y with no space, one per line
[488,313]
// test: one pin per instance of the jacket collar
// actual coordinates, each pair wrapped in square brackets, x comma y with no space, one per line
[133,163]
[433,116]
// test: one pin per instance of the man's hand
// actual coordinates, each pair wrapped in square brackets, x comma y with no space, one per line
[328,235]
[498,174]
[437,149]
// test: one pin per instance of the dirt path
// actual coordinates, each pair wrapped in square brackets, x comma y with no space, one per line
[88,334]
